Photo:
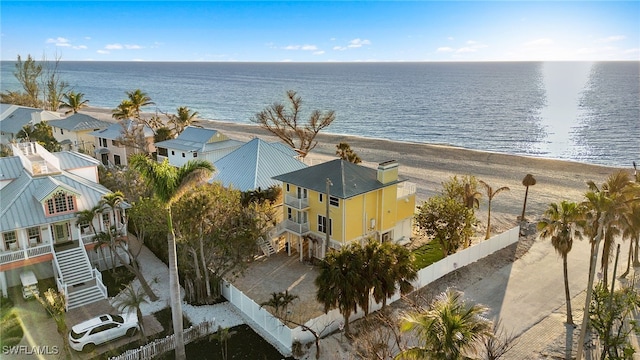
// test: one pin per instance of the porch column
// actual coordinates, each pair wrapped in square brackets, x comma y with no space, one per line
[3,284]
[300,247]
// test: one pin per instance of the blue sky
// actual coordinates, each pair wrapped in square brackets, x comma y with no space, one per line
[321,31]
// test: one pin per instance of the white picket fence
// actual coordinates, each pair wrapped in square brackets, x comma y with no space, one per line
[166,344]
[333,320]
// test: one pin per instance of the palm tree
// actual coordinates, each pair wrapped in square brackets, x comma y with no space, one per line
[130,299]
[280,301]
[113,201]
[451,329]
[184,118]
[74,101]
[562,224]
[490,194]
[102,240]
[87,217]
[138,100]
[528,180]
[630,223]
[391,269]
[169,184]
[123,111]
[340,283]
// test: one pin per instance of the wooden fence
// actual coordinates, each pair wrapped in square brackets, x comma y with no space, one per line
[161,346]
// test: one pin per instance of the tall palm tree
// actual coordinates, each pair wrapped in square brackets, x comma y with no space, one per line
[630,223]
[130,299]
[184,118]
[528,180]
[391,269]
[74,101]
[490,195]
[169,184]
[450,329]
[113,201]
[138,99]
[562,224]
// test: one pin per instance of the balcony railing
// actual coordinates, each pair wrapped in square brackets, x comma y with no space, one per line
[406,189]
[296,227]
[23,254]
[296,202]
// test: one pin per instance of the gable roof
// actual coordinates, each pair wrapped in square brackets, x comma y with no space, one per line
[253,165]
[115,131]
[20,207]
[78,122]
[10,167]
[348,179]
[15,119]
[73,160]
[199,140]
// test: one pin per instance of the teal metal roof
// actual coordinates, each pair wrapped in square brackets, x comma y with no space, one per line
[115,131]
[74,160]
[10,167]
[78,122]
[348,179]
[254,165]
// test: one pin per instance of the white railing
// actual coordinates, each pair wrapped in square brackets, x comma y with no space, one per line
[296,202]
[98,276]
[406,189]
[23,254]
[298,228]
[166,344]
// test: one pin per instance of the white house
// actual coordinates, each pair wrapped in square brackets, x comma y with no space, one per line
[40,196]
[109,148]
[196,143]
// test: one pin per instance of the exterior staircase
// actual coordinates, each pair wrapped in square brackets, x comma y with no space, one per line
[266,246]
[82,285]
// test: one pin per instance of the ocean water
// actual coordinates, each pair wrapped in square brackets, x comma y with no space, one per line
[581,111]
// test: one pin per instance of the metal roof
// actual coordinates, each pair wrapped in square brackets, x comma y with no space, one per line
[10,167]
[115,131]
[15,120]
[74,160]
[78,122]
[199,140]
[254,165]
[348,179]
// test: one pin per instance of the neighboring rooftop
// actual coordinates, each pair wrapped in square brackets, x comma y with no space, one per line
[115,131]
[254,164]
[79,122]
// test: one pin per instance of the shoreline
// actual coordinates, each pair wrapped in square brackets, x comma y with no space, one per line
[428,165]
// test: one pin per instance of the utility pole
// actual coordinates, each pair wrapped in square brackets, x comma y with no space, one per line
[328,225]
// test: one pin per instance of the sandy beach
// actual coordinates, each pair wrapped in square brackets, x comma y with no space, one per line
[429,165]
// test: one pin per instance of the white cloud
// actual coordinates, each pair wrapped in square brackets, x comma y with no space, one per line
[113,47]
[102,52]
[611,39]
[444,49]
[320,52]
[59,41]
[539,42]
[356,43]
[450,38]
[305,47]
[339,48]
[133,47]
[118,46]
[80,47]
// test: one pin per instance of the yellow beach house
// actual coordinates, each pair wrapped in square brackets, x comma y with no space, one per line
[362,203]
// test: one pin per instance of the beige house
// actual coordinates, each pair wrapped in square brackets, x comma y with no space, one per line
[109,148]
[73,132]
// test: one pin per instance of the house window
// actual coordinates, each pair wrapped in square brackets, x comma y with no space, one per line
[182,154]
[103,142]
[334,201]
[320,197]
[10,240]
[34,235]
[61,202]
[163,152]
[322,225]
[106,221]
[195,154]
[114,143]
[173,152]
[287,187]
[116,160]
[61,132]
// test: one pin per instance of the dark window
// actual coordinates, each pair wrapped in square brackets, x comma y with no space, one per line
[287,187]
[173,152]
[322,225]
[61,132]
[195,154]
[334,201]
[182,154]
[116,159]
[289,213]
[163,152]
[320,196]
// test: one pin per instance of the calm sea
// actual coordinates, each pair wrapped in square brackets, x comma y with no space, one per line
[582,111]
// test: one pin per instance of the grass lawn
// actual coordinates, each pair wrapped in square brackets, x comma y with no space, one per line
[427,254]
[10,329]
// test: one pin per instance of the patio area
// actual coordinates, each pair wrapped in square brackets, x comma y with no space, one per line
[278,273]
